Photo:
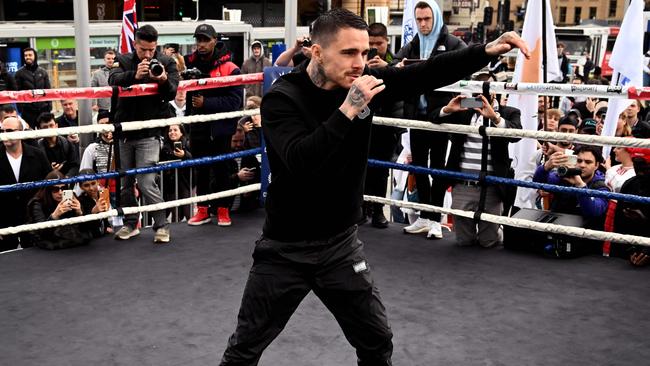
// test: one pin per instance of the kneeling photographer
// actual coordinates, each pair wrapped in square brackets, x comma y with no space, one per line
[580,170]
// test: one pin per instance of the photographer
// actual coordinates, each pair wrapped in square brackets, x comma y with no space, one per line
[141,148]
[580,171]
[176,147]
[94,199]
[213,59]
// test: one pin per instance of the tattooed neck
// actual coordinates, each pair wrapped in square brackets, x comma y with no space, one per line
[317,74]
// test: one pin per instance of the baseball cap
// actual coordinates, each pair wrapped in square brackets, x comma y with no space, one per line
[588,127]
[639,152]
[576,112]
[566,120]
[205,30]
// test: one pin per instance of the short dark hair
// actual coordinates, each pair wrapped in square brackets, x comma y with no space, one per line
[44,117]
[109,52]
[29,49]
[326,26]
[7,108]
[146,33]
[422,5]
[377,30]
[597,151]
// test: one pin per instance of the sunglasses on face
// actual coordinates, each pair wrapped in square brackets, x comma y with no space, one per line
[56,188]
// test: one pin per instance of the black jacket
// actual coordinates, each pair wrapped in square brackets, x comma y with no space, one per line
[33,77]
[215,100]
[145,107]
[318,156]
[446,42]
[63,151]
[498,145]
[34,167]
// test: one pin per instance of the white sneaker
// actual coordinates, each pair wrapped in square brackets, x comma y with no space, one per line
[436,231]
[419,226]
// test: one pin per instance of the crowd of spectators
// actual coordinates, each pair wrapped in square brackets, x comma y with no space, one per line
[625,170]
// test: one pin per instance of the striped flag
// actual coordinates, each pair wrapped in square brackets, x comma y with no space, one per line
[530,71]
[129,25]
[627,62]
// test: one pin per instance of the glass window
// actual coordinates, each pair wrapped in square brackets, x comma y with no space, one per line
[577,15]
[563,14]
[592,12]
[612,8]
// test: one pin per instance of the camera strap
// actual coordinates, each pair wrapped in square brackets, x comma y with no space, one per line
[485,149]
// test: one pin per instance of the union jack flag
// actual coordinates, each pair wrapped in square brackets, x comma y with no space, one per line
[129,26]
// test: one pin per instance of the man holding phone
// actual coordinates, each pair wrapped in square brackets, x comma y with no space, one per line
[465,156]
[428,148]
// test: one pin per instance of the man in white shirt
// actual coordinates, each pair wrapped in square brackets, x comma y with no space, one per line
[19,163]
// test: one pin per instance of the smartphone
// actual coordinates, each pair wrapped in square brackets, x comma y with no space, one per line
[67,195]
[178,145]
[476,102]
[372,53]
[105,195]
[410,61]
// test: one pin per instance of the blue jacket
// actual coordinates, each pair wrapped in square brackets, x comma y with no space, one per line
[592,209]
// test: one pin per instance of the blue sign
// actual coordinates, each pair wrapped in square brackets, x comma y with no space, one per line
[271,74]
[14,58]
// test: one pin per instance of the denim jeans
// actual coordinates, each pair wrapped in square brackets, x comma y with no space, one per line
[138,153]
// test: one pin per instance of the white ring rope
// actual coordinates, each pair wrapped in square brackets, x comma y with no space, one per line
[588,90]
[126,126]
[512,132]
[128,210]
[520,223]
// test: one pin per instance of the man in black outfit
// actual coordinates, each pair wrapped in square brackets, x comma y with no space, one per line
[32,76]
[19,163]
[317,127]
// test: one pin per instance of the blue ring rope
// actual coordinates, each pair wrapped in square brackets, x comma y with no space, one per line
[134,171]
[512,182]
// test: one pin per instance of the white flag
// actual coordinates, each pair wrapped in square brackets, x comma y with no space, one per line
[409,29]
[530,71]
[627,63]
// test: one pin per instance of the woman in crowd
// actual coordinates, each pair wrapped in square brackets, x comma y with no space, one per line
[176,147]
[48,205]
[252,125]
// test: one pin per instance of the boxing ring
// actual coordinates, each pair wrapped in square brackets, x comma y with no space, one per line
[135,303]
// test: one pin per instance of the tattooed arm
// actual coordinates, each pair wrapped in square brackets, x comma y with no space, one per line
[361,93]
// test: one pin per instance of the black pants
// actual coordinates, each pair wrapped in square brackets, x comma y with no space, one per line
[382,146]
[431,146]
[284,273]
[214,177]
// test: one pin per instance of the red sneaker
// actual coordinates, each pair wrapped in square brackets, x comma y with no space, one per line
[201,217]
[223,216]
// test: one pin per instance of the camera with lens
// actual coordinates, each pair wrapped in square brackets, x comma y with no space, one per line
[306,42]
[565,171]
[155,67]
[191,74]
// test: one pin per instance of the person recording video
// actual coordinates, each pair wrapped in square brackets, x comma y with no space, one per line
[581,171]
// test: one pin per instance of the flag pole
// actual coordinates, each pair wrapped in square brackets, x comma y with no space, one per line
[544,57]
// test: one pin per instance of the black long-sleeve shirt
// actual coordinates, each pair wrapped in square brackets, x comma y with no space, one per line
[318,156]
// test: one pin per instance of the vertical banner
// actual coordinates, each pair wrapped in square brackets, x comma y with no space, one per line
[530,71]
[408,22]
[14,59]
[627,63]
[271,74]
